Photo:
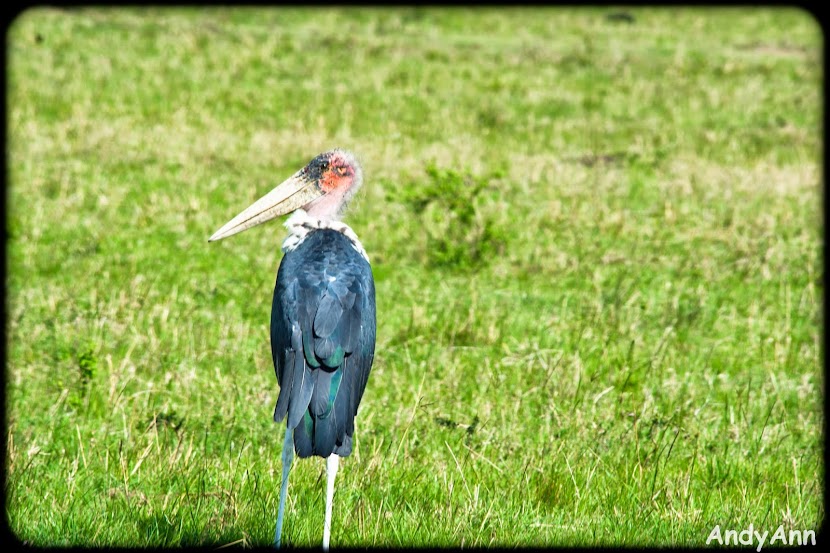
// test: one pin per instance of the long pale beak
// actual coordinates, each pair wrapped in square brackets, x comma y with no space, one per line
[293,194]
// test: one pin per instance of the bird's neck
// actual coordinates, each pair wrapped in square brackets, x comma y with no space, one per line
[300,224]
[329,205]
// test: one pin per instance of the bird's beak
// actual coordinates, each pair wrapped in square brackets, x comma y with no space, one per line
[293,194]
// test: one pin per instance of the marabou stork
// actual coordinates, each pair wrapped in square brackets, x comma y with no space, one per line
[322,316]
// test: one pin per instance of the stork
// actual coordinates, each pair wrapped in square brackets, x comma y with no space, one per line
[322,315]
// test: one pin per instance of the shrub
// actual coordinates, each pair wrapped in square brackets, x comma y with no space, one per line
[458,213]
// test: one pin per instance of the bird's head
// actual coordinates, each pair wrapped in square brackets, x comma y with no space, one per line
[322,188]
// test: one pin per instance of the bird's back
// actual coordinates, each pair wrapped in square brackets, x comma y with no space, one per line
[322,340]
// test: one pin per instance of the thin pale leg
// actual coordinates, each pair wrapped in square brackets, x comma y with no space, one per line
[287,457]
[331,472]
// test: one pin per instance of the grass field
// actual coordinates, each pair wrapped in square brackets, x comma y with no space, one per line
[596,241]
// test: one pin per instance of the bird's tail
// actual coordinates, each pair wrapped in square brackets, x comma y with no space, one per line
[322,430]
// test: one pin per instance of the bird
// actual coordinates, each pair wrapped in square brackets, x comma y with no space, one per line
[323,315]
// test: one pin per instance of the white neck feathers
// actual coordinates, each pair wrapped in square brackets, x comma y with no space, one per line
[300,224]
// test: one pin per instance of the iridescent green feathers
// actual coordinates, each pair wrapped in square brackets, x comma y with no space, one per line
[322,339]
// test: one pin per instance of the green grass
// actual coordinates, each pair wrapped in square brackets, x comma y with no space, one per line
[597,249]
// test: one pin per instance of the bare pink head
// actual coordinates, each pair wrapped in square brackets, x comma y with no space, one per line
[337,174]
[322,188]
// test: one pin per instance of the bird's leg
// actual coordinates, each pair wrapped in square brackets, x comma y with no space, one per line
[331,472]
[287,457]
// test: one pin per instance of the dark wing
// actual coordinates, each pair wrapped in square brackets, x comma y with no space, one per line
[322,341]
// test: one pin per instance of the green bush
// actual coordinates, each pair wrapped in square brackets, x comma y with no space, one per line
[459,214]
